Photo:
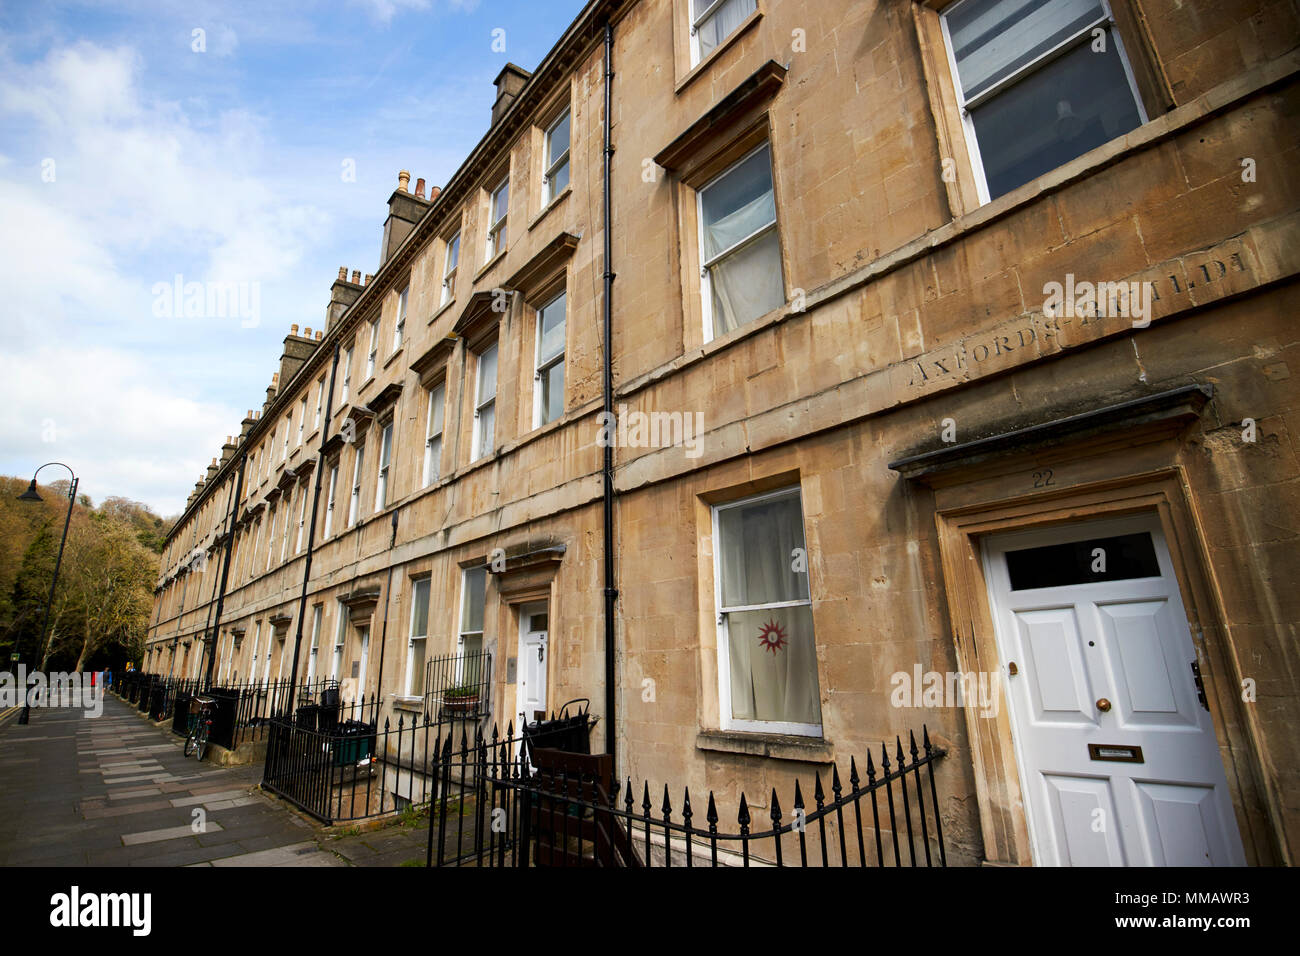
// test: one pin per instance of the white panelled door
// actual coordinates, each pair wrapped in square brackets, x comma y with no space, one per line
[531,691]
[1116,747]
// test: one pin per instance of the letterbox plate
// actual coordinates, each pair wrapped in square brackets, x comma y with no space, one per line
[1120,752]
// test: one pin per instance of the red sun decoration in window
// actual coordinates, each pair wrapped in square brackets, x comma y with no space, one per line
[771,637]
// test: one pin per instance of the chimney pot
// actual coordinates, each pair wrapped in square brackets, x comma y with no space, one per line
[419,188]
[434,192]
[293,329]
[343,273]
[403,180]
[369,276]
[250,414]
[275,378]
[356,276]
[307,331]
[319,336]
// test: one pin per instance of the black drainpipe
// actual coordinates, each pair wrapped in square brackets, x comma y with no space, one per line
[211,644]
[311,532]
[383,634]
[611,591]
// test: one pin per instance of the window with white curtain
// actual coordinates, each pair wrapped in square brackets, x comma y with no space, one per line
[354,503]
[374,349]
[288,427]
[712,21]
[548,398]
[341,633]
[556,178]
[485,401]
[498,207]
[270,537]
[330,499]
[288,524]
[433,434]
[385,458]
[399,330]
[449,266]
[419,636]
[302,521]
[302,418]
[320,401]
[469,641]
[767,654]
[740,248]
[346,388]
[315,644]
[1036,87]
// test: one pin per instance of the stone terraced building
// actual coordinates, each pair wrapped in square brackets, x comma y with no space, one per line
[950,351]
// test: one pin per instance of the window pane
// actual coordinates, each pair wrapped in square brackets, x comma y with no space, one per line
[738,204]
[433,455]
[417,668]
[559,179]
[1126,556]
[501,202]
[436,397]
[1056,114]
[559,141]
[487,374]
[453,253]
[773,660]
[991,39]
[553,393]
[719,26]
[420,608]
[552,323]
[757,552]
[747,284]
[486,422]
[386,447]
[475,591]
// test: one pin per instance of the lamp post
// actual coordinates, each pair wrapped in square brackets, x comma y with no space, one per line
[32,495]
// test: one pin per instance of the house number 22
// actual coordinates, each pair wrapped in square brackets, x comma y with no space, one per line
[1043,479]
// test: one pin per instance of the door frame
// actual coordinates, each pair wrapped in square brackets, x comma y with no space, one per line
[522,611]
[969,511]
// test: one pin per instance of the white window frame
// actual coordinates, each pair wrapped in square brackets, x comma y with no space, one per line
[340,636]
[302,521]
[385,463]
[432,463]
[399,327]
[320,401]
[726,721]
[706,279]
[288,524]
[412,637]
[288,427]
[315,643]
[539,370]
[270,538]
[698,21]
[257,547]
[302,419]
[346,387]
[373,354]
[257,641]
[461,634]
[496,226]
[354,503]
[1106,20]
[331,500]
[476,449]
[450,265]
[548,190]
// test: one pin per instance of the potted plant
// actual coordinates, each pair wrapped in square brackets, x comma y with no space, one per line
[461,699]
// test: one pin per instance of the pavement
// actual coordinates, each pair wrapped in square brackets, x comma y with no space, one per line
[116,790]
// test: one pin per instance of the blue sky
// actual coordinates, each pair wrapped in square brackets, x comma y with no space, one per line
[128,157]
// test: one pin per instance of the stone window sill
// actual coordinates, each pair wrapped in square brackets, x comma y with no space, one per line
[401,702]
[771,746]
[564,194]
[743,28]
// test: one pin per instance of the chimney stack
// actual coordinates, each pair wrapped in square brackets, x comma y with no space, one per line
[509,82]
[404,211]
[342,294]
[296,352]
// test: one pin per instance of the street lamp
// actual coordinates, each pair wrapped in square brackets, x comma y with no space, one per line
[31,494]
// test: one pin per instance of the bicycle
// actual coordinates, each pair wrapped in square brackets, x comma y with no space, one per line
[200,725]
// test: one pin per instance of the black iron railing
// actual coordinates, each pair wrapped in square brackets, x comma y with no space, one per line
[458,686]
[547,808]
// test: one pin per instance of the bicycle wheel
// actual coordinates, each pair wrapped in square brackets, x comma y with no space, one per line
[201,742]
[190,742]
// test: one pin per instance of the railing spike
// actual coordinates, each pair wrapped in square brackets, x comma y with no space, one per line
[743,816]
[667,807]
[798,796]
[711,815]
[853,771]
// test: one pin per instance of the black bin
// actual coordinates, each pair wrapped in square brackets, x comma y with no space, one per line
[307,716]
[355,742]
[328,716]
[571,734]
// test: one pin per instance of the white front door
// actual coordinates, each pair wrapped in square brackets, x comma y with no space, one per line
[1117,752]
[531,688]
